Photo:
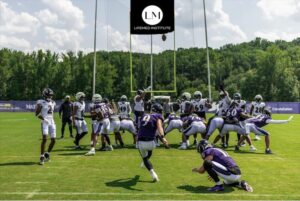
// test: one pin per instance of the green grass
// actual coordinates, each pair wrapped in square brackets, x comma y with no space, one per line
[117,174]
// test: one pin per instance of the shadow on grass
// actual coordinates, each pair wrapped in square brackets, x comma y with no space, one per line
[203,189]
[125,183]
[18,163]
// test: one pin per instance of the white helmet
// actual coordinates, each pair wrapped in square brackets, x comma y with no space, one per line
[79,95]
[258,98]
[197,95]
[97,98]
[186,96]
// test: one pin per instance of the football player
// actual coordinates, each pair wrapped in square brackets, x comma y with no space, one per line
[192,125]
[78,118]
[257,108]
[124,109]
[217,163]
[149,124]
[138,106]
[233,122]
[200,104]
[256,123]
[185,104]
[44,111]
[174,122]
[96,125]
[217,121]
[237,97]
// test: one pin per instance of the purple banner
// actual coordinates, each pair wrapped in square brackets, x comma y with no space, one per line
[29,106]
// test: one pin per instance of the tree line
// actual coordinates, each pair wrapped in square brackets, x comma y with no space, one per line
[271,69]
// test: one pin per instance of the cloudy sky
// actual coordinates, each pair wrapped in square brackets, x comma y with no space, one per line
[62,25]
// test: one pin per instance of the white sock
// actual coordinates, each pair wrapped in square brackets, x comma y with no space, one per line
[93,149]
[219,183]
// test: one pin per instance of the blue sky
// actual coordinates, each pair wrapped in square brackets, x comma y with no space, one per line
[62,25]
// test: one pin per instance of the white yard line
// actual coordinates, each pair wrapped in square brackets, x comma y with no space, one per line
[31,194]
[31,182]
[146,194]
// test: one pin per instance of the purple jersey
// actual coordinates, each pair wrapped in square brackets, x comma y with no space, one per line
[148,126]
[233,115]
[190,119]
[260,120]
[220,156]
[102,108]
[173,117]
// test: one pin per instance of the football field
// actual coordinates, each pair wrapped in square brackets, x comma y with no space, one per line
[117,175]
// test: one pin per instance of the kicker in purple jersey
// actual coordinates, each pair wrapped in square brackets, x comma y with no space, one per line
[220,157]
[260,120]
[148,126]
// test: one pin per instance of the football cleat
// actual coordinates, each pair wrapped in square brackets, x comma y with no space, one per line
[257,137]
[182,147]
[252,148]
[268,151]
[47,157]
[77,147]
[42,160]
[90,153]
[109,148]
[236,148]
[246,186]
[154,176]
[216,188]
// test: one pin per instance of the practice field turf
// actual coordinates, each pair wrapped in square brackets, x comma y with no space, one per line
[118,175]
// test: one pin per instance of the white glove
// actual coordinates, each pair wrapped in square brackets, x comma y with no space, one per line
[148,88]
[290,118]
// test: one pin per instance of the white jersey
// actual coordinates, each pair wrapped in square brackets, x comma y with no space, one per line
[138,105]
[242,105]
[183,108]
[223,106]
[199,105]
[258,108]
[124,109]
[80,109]
[47,109]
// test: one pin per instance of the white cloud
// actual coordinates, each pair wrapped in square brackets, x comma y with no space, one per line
[277,35]
[47,17]
[71,16]
[279,8]
[220,28]
[120,41]
[12,22]
[13,42]
[63,39]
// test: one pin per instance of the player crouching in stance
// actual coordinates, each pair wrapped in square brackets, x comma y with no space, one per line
[44,111]
[256,123]
[217,163]
[149,124]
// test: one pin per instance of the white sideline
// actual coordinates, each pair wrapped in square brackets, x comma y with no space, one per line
[143,194]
